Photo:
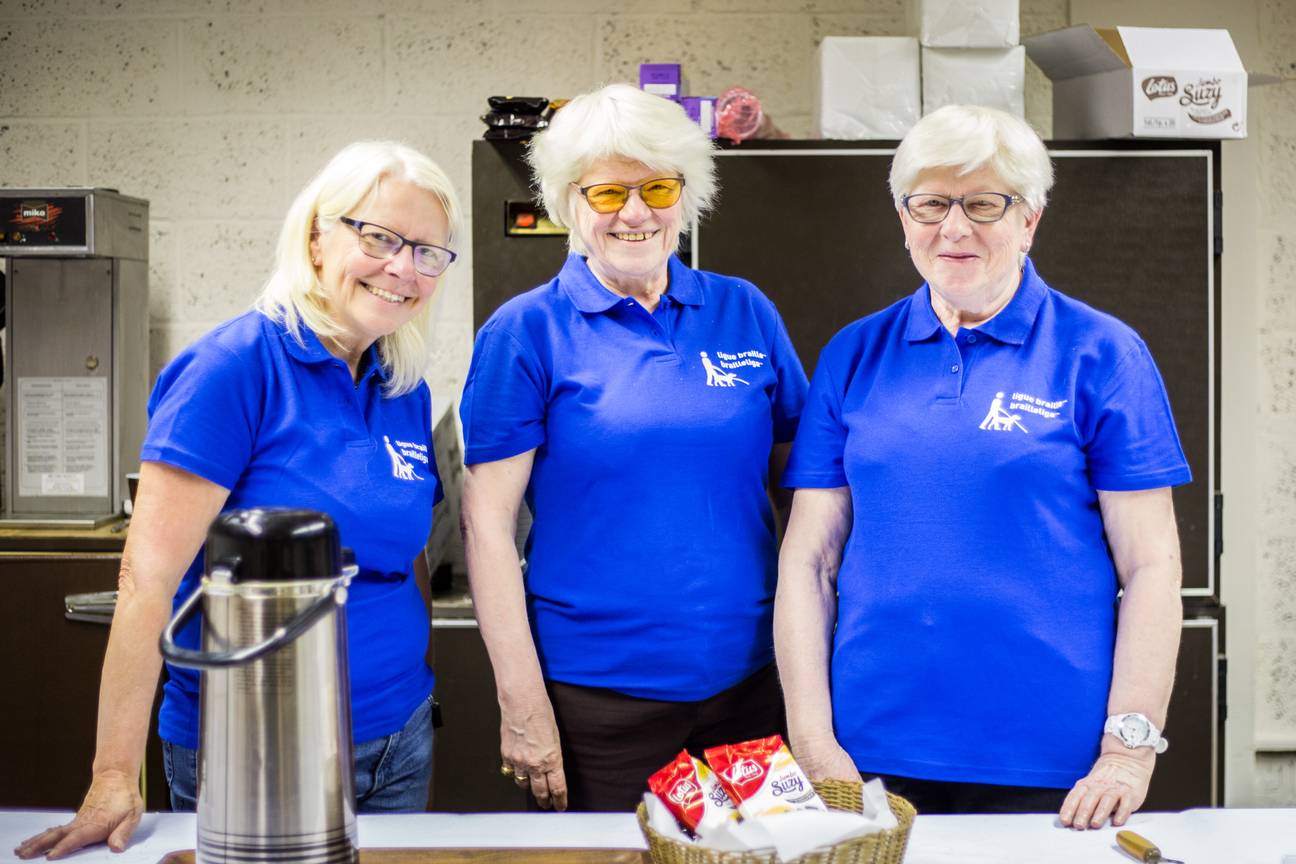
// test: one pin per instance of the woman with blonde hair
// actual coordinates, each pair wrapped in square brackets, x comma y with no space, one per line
[314,399]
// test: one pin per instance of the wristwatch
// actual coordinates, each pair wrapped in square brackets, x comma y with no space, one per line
[1136,730]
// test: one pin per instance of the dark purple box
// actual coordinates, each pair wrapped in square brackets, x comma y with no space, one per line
[701,110]
[662,79]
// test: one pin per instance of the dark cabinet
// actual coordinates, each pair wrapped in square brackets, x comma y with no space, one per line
[466,755]
[49,682]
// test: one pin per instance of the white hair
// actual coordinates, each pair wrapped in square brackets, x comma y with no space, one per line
[293,294]
[969,137]
[620,122]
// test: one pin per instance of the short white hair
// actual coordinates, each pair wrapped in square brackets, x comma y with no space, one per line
[970,137]
[620,122]
[293,294]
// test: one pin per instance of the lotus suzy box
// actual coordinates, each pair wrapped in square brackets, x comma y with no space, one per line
[1143,82]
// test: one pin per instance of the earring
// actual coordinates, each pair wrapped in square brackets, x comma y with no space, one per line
[906,245]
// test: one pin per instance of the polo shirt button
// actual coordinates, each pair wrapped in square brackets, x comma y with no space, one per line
[971,337]
[954,368]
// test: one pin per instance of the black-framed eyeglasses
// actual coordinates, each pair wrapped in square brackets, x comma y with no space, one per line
[658,193]
[929,208]
[379,242]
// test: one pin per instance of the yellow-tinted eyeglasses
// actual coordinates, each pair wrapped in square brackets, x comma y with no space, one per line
[658,193]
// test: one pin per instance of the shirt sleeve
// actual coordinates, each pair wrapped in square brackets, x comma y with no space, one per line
[504,405]
[790,390]
[816,461]
[203,414]
[1133,444]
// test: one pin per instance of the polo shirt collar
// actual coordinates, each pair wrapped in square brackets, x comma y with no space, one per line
[589,295]
[1011,325]
[311,350]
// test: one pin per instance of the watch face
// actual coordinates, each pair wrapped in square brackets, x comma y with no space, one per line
[1133,729]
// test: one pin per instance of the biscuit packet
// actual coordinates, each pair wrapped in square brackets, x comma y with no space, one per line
[690,790]
[763,778]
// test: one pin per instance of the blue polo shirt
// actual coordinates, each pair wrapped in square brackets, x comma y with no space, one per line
[281,424]
[976,595]
[651,561]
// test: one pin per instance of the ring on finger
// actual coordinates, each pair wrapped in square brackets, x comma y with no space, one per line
[506,770]
[521,778]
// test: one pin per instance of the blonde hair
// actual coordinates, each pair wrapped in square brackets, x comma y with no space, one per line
[620,122]
[293,294]
[968,137]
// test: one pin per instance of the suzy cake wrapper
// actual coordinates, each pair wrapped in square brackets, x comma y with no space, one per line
[763,778]
[690,790]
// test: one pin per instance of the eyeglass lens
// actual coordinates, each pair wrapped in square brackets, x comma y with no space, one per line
[982,207]
[611,197]
[379,243]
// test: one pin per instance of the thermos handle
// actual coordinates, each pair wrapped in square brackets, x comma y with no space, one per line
[282,635]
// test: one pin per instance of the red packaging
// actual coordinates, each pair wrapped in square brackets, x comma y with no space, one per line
[763,778]
[690,791]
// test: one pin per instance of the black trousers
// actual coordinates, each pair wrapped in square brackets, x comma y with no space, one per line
[612,742]
[936,797]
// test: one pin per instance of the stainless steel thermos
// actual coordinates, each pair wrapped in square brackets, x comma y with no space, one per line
[274,756]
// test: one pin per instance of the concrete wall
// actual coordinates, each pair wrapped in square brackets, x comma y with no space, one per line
[219,110]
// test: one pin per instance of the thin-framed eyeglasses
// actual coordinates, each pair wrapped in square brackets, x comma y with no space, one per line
[658,193]
[983,207]
[384,243]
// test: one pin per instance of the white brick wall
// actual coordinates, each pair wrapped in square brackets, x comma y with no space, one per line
[219,110]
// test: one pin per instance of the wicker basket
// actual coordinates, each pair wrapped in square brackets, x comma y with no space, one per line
[883,847]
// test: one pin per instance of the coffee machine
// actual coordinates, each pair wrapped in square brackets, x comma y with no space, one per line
[76,352]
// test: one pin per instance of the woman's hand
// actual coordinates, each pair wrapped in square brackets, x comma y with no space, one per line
[1116,786]
[529,745]
[825,760]
[110,811]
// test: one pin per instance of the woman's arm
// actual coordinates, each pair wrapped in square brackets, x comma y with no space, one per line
[805,614]
[173,510]
[1144,541]
[528,733]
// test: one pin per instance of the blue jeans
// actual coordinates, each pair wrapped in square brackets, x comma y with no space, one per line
[392,773]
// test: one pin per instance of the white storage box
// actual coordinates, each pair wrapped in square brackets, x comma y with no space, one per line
[866,87]
[1144,82]
[994,77]
[965,23]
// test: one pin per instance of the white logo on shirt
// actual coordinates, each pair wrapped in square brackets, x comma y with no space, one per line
[999,420]
[720,376]
[401,469]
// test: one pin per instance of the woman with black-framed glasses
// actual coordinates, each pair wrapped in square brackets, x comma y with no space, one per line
[641,408]
[315,399]
[980,468]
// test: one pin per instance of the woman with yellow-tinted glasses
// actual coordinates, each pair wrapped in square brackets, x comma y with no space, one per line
[638,406]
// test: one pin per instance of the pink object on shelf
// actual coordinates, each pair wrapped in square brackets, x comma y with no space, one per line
[739,117]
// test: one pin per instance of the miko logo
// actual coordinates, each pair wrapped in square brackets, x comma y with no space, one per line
[683,792]
[1160,86]
[401,468]
[742,771]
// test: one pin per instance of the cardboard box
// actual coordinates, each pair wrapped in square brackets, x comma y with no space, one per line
[994,77]
[964,24]
[866,87]
[1143,82]
[661,79]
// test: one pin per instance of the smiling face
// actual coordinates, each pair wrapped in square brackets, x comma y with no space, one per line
[370,297]
[632,246]
[974,267]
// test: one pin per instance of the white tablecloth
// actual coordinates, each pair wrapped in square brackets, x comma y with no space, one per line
[1195,836]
